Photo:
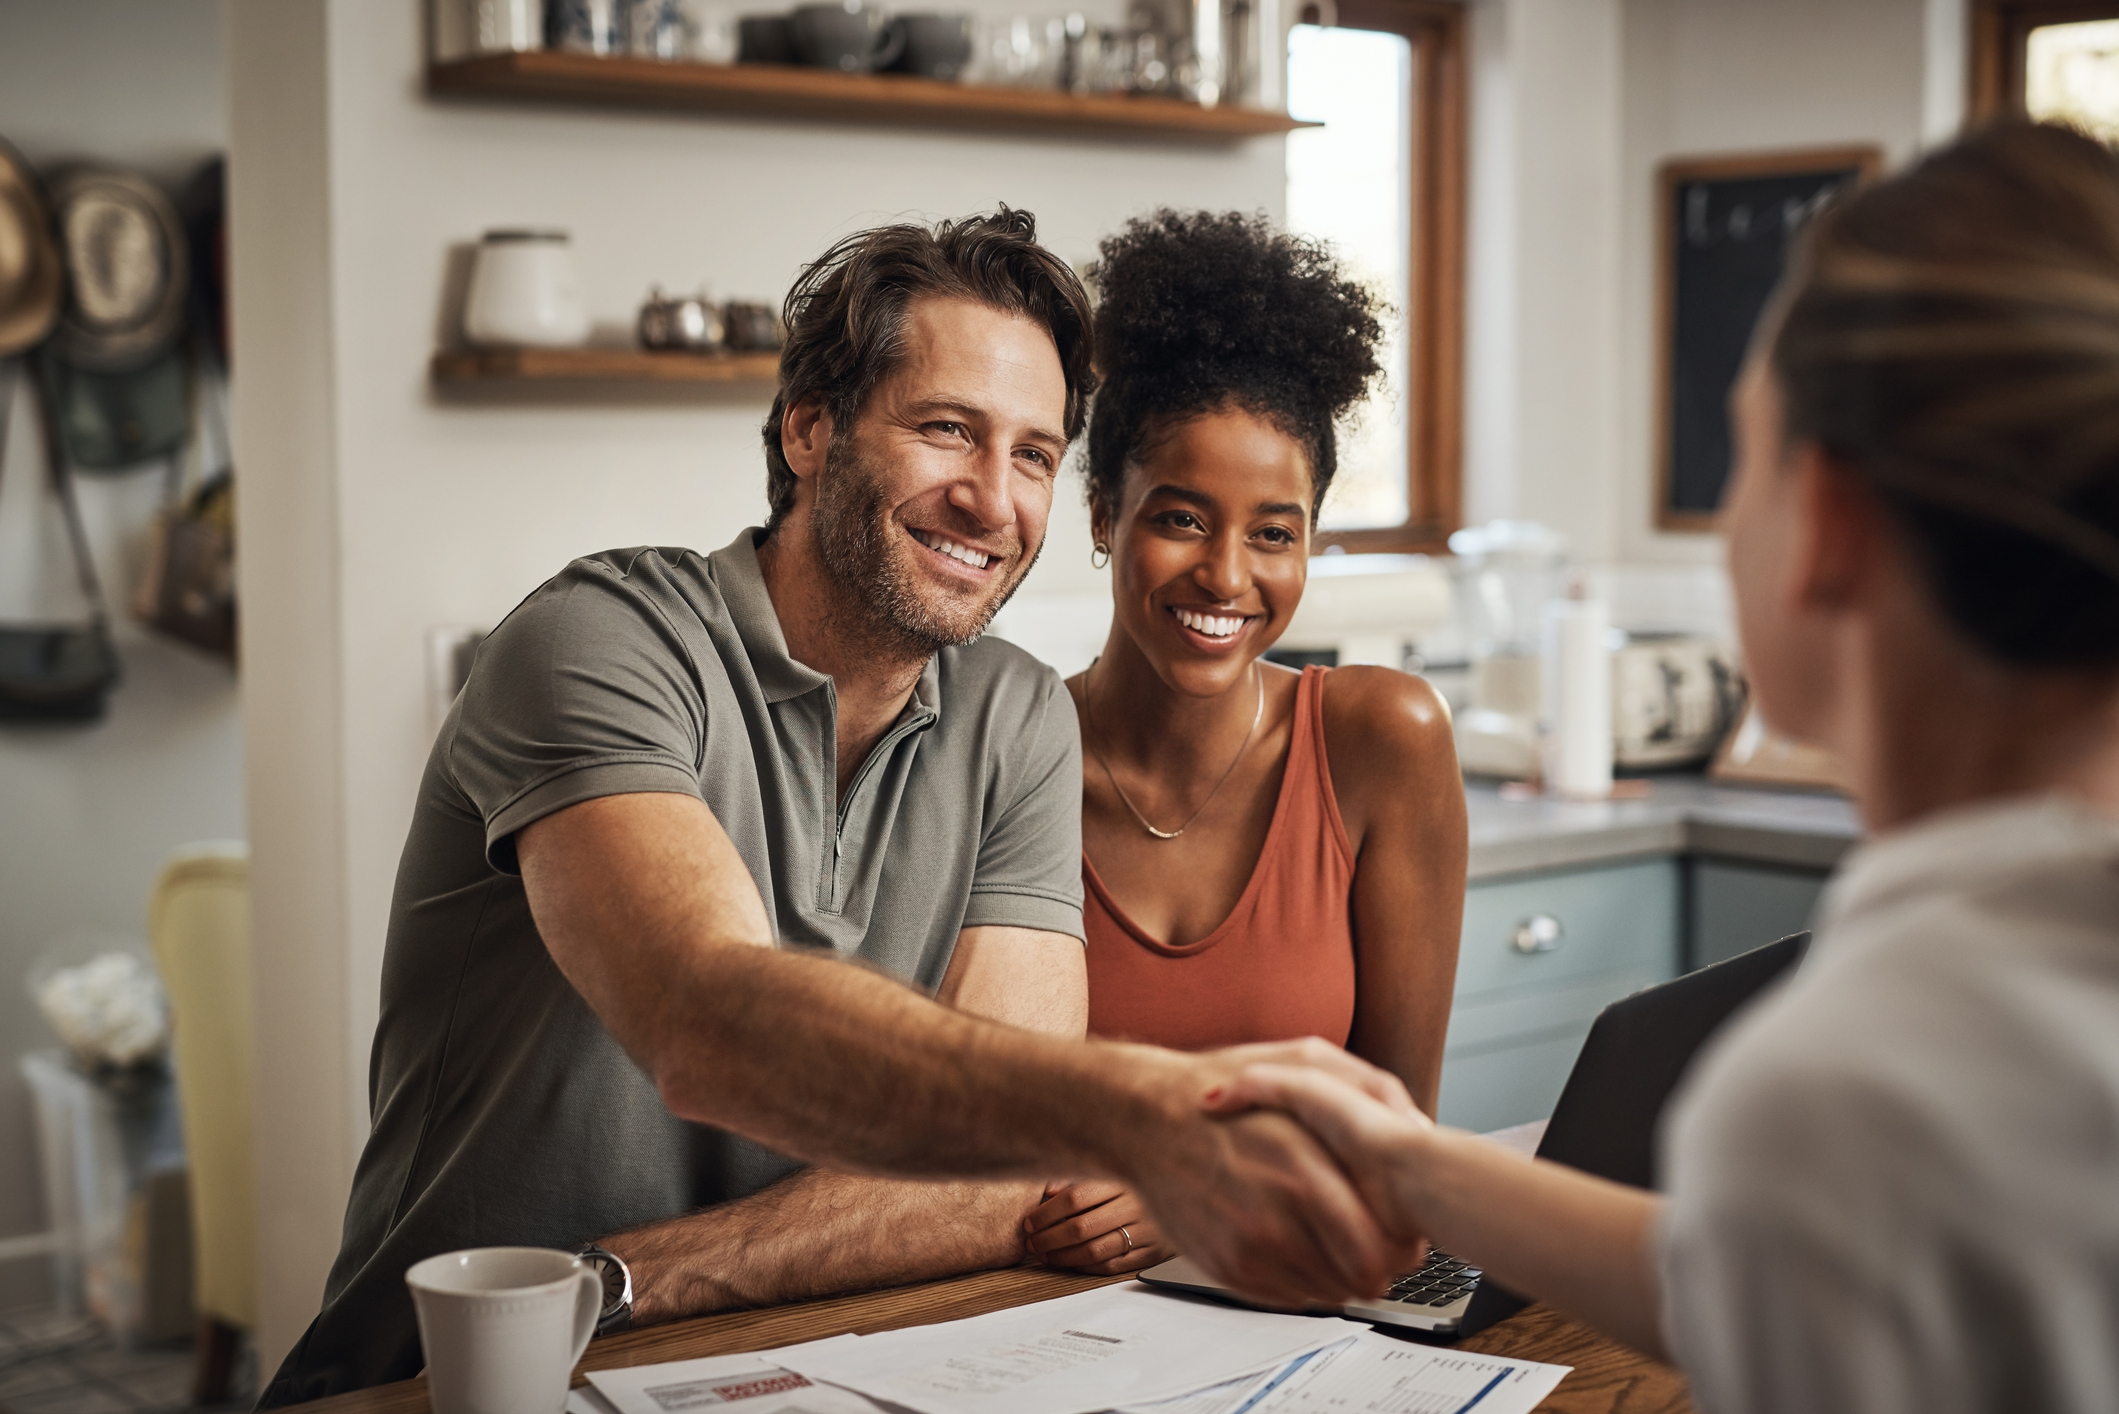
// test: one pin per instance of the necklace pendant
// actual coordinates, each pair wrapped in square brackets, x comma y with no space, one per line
[1257,715]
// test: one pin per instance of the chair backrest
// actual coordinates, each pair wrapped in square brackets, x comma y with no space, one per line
[199,922]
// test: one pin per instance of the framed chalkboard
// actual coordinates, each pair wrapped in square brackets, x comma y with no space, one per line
[1726,229]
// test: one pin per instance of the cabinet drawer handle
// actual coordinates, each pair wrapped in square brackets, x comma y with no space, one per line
[1541,932]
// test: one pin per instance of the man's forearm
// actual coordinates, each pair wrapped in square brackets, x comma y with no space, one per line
[989,1099]
[650,913]
[817,1234]
[883,1080]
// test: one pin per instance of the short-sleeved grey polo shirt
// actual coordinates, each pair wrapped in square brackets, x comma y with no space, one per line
[504,1113]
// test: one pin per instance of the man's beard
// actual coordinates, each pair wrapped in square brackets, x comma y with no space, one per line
[868,556]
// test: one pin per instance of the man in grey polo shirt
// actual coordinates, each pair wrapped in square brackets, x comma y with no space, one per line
[665,764]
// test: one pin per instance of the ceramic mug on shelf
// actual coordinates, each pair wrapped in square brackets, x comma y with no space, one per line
[525,291]
[849,36]
[937,46]
[764,39]
[501,1327]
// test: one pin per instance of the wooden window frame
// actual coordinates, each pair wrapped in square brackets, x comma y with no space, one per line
[1434,397]
[2000,29]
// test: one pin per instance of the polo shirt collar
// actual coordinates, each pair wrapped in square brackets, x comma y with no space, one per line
[780,676]
[750,609]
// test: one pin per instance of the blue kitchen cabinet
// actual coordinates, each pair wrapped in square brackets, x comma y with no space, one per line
[1736,907]
[1541,955]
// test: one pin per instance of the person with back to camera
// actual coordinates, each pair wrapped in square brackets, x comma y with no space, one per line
[1893,1184]
[1255,839]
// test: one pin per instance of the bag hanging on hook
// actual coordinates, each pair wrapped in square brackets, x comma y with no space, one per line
[187,589]
[56,672]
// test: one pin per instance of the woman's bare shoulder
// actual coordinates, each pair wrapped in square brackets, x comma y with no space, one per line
[1388,741]
[1385,717]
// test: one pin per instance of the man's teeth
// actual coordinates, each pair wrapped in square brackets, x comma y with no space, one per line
[955,551]
[1212,625]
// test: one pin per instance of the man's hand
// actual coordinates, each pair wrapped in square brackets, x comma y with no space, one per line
[1258,1202]
[1104,1229]
[1373,1140]
[1556,1234]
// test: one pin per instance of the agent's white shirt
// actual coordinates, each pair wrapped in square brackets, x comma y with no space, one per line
[1894,1183]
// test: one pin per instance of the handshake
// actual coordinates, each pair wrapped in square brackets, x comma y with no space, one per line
[1277,1167]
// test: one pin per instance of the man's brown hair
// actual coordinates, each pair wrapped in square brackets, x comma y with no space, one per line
[846,316]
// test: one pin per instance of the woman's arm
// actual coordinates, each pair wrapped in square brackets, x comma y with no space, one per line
[1579,1243]
[1394,771]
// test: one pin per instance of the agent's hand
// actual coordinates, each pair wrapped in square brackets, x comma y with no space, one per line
[1374,1141]
[1253,1197]
[1095,1227]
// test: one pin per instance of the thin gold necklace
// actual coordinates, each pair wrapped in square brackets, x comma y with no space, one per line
[1089,703]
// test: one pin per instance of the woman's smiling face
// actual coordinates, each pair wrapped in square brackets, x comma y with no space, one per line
[1210,547]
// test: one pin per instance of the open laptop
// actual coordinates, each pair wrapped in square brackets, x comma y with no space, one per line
[1604,1124]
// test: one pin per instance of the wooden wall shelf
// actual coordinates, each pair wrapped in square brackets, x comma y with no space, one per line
[605,366]
[784,91]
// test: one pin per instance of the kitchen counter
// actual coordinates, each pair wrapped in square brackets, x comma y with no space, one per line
[1682,814]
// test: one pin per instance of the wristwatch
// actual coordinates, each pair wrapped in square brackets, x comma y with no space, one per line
[617,1288]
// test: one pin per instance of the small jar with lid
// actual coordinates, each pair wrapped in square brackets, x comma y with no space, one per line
[525,292]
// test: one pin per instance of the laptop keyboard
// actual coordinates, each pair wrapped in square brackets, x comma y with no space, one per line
[1441,1280]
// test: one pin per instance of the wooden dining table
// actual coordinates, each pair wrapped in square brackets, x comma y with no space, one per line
[1607,1378]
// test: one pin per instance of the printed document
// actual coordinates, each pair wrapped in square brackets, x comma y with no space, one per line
[1115,1347]
[1225,1398]
[720,1384]
[1374,1374]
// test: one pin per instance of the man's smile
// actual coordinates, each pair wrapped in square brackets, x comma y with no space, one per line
[955,550]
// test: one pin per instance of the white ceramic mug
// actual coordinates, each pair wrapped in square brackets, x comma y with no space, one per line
[525,291]
[503,1326]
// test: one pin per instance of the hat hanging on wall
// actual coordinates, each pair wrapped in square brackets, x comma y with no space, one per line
[127,275]
[119,386]
[29,261]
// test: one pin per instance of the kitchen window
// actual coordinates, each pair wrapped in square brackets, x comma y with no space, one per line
[2057,60]
[1383,181]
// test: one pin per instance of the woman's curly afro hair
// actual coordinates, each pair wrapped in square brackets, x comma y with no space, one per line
[1201,311]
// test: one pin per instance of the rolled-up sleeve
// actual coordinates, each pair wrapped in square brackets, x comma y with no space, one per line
[586,690]
[1029,871]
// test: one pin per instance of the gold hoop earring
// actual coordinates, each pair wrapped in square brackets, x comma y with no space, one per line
[1099,549]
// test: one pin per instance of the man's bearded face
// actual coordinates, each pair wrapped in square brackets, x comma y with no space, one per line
[878,562]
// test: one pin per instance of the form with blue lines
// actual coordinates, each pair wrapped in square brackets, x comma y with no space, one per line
[1375,1374]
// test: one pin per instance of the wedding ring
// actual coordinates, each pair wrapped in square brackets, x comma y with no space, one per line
[1129,1240]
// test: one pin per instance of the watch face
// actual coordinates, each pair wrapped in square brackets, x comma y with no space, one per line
[613,1276]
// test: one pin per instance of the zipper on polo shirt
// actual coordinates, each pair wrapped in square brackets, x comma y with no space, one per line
[879,751]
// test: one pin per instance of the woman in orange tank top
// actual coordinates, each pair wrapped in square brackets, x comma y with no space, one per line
[1267,854]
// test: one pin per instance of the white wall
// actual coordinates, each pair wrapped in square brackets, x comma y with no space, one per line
[1575,103]
[87,815]
[1711,77]
[379,510]
[1542,297]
